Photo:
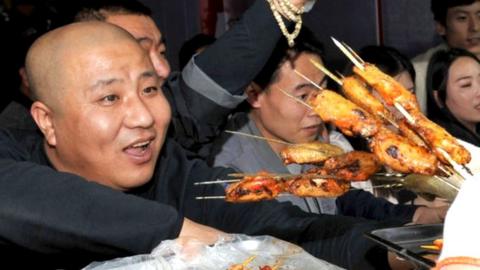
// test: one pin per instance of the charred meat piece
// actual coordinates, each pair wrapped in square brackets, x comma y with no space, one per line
[402,155]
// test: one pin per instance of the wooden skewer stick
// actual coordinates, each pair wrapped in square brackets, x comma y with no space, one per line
[326,71]
[296,99]
[458,169]
[325,151]
[340,82]
[218,181]
[353,53]
[445,170]
[223,197]
[340,75]
[258,137]
[249,260]
[404,112]
[286,175]
[347,53]
[210,198]
[308,79]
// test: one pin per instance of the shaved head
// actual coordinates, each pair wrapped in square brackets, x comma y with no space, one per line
[50,60]
[98,103]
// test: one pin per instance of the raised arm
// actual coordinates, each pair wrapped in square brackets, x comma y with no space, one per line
[212,83]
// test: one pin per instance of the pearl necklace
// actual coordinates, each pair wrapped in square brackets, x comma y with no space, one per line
[292,13]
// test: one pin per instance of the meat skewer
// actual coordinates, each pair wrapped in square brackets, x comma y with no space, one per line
[394,94]
[345,115]
[309,153]
[356,91]
[301,153]
[352,166]
[402,155]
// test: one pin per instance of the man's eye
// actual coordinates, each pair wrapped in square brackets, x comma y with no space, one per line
[461,18]
[150,90]
[109,99]
[303,97]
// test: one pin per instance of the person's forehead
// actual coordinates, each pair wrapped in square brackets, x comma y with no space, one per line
[463,64]
[110,61]
[302,63]
[139,26]
[474,7]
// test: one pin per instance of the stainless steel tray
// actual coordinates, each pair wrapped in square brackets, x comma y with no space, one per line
[406,241]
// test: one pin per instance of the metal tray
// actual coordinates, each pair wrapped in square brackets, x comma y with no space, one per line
[406,241]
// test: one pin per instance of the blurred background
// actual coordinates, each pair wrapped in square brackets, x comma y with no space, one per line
[404,24]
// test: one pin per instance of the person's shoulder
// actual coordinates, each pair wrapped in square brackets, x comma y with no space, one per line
[229,147]
[426,55]
[18,143]
[338,139]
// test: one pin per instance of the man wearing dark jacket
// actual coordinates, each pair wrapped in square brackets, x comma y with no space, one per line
[105,182]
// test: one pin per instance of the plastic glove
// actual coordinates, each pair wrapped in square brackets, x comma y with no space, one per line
[460,232]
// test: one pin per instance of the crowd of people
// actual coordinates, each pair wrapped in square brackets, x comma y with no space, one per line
[102,144]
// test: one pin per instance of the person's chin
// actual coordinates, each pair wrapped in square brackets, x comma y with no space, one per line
[139,179]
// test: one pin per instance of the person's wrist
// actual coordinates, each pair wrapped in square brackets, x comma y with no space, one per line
[461,261]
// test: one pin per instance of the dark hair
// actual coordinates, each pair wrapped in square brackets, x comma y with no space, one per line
[388,60]
[305,42]
[439,8]
[437,76]
[190,47]
[98,10]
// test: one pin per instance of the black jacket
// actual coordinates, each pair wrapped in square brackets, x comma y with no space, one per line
[53,219]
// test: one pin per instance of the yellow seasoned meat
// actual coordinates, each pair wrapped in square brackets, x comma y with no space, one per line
[389,89]
[344,114]
[312,152]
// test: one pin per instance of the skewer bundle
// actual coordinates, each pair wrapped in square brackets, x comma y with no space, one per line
[423,147]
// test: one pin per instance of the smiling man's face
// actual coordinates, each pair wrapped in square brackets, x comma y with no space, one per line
[111,120]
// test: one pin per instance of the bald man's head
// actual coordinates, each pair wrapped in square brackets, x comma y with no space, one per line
[99,103]
[51,61]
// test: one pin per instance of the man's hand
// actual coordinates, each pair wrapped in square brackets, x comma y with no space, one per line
[430,215]
[192,231]
[194,237]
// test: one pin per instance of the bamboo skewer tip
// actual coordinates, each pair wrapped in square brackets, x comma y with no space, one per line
[352,56]
[308,79]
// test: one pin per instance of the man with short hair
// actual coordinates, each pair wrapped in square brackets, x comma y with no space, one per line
[107,180]
[458,23]
[277,116]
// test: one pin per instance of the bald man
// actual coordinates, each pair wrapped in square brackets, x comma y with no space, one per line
[105,181]
[212,84]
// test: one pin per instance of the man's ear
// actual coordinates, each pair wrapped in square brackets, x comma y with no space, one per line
[440,29]
[437,99]
[253,92]
[42,115]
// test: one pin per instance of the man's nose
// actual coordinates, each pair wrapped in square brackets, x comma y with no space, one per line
[474,24]
[138,115]
[160,63]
